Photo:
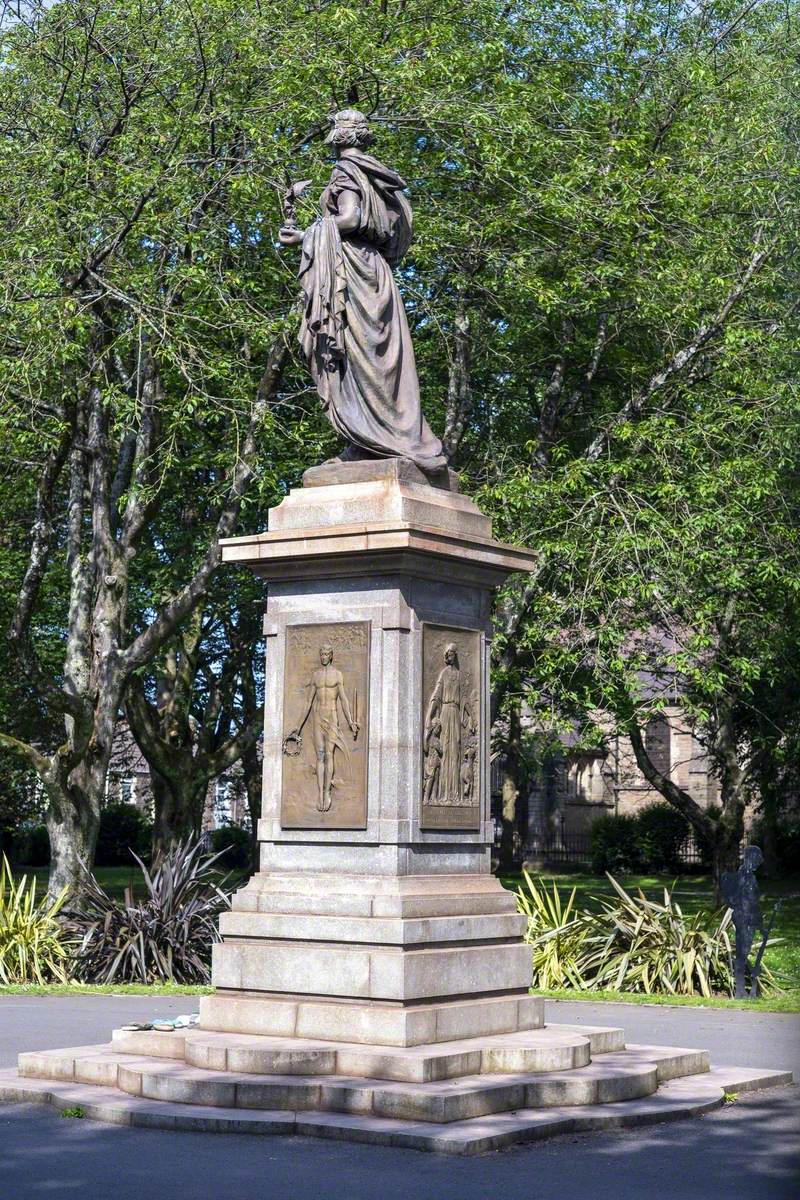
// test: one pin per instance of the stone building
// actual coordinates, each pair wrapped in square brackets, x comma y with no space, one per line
[129,783]
[567,792]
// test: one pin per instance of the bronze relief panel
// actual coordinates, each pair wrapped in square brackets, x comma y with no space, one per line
[451,733]
[325,726]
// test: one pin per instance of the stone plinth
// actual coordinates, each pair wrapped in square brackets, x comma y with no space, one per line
[375,919]
[372,982]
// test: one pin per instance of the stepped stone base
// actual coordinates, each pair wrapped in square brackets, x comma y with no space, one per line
[388,961]
[466,1096]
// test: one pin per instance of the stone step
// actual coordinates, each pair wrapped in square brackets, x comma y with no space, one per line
[674,1100]
[370,1023]
[674,1062]
[616,1077]
[224,1059]
[552,1049]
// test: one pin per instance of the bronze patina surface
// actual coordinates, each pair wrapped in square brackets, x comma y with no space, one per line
[451,740]
[325,715]
[354,331]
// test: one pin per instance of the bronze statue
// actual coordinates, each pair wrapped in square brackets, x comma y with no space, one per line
[354,332]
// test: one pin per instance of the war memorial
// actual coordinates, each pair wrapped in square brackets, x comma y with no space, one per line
[372,982]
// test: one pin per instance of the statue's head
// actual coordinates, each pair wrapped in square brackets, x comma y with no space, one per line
[326,654]
[451,654]
[752,858]
[350,128]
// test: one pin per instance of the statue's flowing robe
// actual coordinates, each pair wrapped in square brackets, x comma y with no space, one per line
[354,332]
[447,703]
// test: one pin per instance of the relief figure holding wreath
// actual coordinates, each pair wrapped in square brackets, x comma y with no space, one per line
[327,693]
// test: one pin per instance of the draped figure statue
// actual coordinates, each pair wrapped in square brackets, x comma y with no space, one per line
[354,332]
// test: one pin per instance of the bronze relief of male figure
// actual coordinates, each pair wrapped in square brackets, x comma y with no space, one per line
[327,694]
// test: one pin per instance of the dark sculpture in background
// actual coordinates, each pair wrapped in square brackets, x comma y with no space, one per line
[354,332]
[740,890]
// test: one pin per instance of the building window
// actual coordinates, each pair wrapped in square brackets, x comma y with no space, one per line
[127,789]
[657,743]
[222,803]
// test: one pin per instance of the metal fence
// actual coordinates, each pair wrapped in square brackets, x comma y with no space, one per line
[564,849]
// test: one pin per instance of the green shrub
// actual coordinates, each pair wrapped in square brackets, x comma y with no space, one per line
[234,846]
[615,845]
[629,944]
[661,831]
[556,931]
[31,846]
[125,832]
[165,938]
[33,945]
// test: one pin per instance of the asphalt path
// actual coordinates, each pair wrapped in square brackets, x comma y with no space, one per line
[746,1151]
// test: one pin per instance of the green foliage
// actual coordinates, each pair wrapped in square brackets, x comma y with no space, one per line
[33,946]
[75,1111]
[233,846]
[31,846]
[125,834]
[661,831]
[166,937]
[556,932]
[21,804]
[649,840]
[615,844]
[629,943]
[588,190]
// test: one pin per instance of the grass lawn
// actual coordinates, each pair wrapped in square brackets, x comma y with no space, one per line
[693,892]
[116,879]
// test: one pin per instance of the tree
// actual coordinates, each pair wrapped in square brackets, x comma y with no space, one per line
[203,714]
[603,206]
[677,574]
[144,349]
[130,340]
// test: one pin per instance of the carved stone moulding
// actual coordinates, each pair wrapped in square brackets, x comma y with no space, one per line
[452,737]
[325,726]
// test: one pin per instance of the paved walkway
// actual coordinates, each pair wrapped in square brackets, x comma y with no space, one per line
[746,1151]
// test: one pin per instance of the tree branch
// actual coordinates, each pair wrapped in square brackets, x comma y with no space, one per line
[682,358]
[459,389]
[147,643]
[137,510]
[24,750]
[41,534]
[697,817]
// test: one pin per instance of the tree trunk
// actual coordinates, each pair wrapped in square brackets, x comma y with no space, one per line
[722,836]
[177,809]
[73,823]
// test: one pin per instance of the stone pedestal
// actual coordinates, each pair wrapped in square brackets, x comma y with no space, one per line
[372,983]
[376,919]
